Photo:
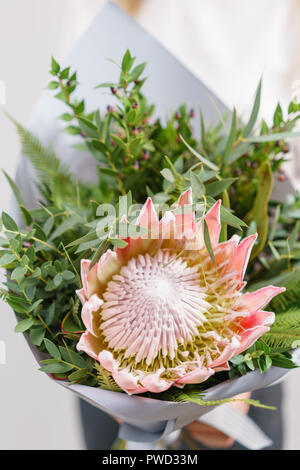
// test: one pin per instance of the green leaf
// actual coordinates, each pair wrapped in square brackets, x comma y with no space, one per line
[278,116]
[207,242]
[55,67]
[237,360]
[106,85]
[67,224]
[56,368]
[15,189]
[39,232]
[206,162]
[127,61]
[9,223]
[168,175]
[64,74]
[68,275]
[73,357]
[137,71]
[231,138]
[7,259]
[100,250]
[259,211]
[18,274]
[58,280]
[26,216]
[72,130]
[77,375]
[88,127]
[66,117]
[217,187]
[272,137]
[254,112]
[53,85]
[24,325]
[86,238]
[99,145]
[52,349]
[37,335]
[197,186]
[118,242]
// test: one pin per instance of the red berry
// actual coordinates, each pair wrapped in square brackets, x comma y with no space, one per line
[134,105]
[113,90]
[192,113]
[177,115]
[281,177]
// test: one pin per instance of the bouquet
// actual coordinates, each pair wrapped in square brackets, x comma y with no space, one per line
[172,284]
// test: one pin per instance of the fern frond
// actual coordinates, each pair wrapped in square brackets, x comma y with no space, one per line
[196,397]
[44,160]
[4,294]
[285,330]
[105,380]
[54,178]
[286,300]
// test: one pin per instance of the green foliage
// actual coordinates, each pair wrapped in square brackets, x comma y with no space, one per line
[105,380]
[285,331]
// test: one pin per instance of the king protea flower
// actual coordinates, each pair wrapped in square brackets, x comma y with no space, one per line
[159,313]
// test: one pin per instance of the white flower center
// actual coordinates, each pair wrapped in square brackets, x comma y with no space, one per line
[152,306]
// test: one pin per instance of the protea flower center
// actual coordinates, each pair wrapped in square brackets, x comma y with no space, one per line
[153,305]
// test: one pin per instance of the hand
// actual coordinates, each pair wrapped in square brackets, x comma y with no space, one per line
[211,437]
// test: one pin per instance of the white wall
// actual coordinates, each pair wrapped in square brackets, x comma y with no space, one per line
[35,413]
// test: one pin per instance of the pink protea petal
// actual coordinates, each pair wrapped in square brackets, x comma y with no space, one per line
[197,376]
[226,251]
[212,218]
[167,225]
[89,279]
[107,361]
[185,220]
[135,247]
[82,295]
[89,344]
[154,383]
[250,336]
[88,314]
[128,382]
[242,255]
[222,367]
[253,301]
[185,198]
[228,352]
[213,221]
[168,232]
[108,265]
[259,318]
[148,219]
